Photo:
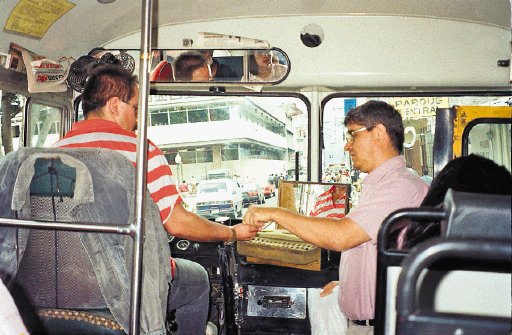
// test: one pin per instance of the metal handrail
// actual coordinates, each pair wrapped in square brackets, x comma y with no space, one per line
[141,167]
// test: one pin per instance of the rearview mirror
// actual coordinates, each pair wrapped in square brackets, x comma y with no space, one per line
[249,67]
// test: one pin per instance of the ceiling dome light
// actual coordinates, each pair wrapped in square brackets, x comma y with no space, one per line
[106,1]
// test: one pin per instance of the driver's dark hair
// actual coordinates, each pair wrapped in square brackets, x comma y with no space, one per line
[106,82]
[186,63]
[376,112]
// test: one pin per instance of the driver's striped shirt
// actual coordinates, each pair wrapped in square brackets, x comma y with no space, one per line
[106,134]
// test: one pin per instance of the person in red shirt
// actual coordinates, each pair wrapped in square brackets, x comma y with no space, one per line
[331,203]
[110,107]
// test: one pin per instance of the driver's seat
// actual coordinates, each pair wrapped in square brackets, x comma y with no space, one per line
[70,282]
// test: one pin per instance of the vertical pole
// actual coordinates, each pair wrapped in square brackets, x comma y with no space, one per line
[315,123]
[140,186]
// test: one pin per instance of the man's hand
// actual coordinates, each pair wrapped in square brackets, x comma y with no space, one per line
[258,216]
[245,232]
[327,289]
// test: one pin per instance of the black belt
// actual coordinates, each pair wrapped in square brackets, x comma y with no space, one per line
[364,322]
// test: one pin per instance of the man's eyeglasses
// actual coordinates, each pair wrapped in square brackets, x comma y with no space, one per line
[350,134]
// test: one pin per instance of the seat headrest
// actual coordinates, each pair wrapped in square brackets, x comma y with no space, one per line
[477,215]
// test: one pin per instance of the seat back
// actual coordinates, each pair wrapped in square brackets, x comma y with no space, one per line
[55,271]
[464,215]
[416,312]
[477,215]
[389,260]
[96,201]
[55,284]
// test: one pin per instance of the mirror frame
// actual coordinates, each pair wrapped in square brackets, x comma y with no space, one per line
[162,69]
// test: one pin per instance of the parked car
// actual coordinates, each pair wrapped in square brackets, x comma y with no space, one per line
[269,191]
[219,197]
[252,194]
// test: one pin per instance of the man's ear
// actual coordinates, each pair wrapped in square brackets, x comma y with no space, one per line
[380,132]
[113,107]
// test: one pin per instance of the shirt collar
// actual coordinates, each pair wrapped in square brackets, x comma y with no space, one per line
[95,123]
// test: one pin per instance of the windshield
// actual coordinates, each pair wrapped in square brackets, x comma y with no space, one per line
[212,187]
[250,187]
[246,139]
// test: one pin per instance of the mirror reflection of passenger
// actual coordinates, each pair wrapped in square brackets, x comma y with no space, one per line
[192,66]
[331,203]
[219,72]
[263,67]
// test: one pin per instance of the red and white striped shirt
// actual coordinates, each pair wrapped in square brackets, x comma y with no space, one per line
[327,208]
[106,134]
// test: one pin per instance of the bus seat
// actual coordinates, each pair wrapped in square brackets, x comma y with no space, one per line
[415,314]
[389,260]
[55,277]
[475,215]
[463,214]
[162,72]
[78,282]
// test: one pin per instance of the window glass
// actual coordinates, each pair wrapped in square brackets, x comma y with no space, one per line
[257,140]
[200,115]
[204,155]
[177,117]
[230,152]
[188,157]
[219,114]
[418,115]
[11,112]
[159,117]
[491,140]
[44,127]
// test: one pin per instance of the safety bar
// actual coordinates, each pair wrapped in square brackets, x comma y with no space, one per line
[67,226]
[485,253]
[391,257]
[424,214]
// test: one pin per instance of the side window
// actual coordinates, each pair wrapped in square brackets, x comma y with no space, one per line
[11,124]
[43,124]
[418,114]
[492,141]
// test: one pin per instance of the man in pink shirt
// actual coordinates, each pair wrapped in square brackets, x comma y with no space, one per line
[375,136]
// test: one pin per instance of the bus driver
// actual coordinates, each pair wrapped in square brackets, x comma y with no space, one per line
[109,103]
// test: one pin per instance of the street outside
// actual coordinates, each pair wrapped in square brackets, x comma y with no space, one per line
[190,201]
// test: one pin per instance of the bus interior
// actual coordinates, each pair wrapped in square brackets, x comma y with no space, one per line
[444,65]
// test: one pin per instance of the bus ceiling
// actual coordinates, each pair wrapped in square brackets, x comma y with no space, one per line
[374,44]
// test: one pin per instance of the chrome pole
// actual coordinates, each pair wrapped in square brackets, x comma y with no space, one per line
[140,186]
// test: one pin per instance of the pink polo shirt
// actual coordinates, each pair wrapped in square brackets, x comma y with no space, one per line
[389,187]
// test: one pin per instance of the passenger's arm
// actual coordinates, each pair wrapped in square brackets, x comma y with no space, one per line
[332,234]
[185,224]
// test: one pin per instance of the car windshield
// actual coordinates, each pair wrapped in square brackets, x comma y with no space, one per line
[250,186]
[212,187]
